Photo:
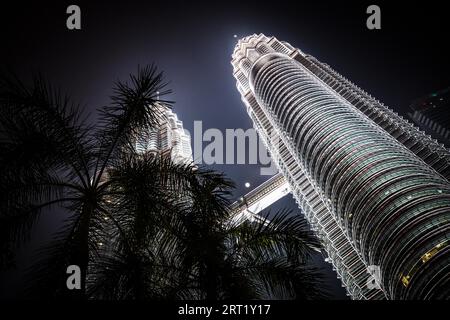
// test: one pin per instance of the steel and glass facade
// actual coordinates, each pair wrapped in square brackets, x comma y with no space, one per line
[431,113]
[373,187]
[169,137]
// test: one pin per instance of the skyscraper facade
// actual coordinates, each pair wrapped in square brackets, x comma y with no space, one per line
[168,138]
[373,187]
[431,114]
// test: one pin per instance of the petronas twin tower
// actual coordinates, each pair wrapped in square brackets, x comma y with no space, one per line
[373,187]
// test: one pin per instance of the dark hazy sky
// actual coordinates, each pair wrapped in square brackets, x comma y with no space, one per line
[192,42]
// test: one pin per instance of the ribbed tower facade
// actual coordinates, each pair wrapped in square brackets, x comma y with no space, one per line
[169,137]
[373,187]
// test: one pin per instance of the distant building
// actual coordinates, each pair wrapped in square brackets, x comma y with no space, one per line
[168,138]
[432,114]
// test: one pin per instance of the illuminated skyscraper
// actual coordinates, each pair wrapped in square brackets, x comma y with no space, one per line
[169,138]
[374,188]
[431,114]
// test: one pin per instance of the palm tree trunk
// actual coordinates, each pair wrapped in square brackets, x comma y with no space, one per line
[211,282]
[81,249]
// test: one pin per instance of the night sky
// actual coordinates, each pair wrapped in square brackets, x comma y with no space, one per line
[192,43]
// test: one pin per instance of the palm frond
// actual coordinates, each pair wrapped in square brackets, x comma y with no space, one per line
[41,127]
[279,278]
[44,150]
[284,234]
[46,278]
[134,110]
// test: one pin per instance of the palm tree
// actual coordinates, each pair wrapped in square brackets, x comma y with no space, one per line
[138,225]
[173,238]
[51,159]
